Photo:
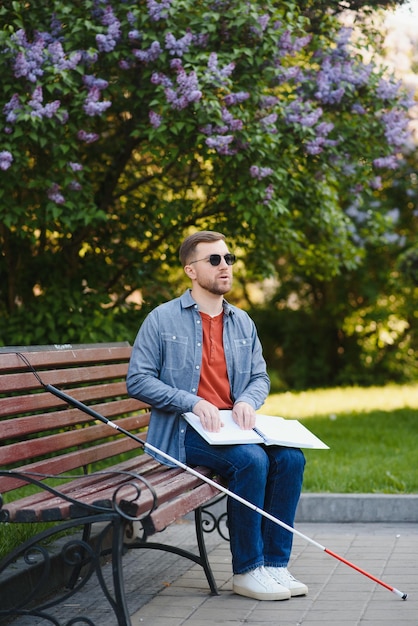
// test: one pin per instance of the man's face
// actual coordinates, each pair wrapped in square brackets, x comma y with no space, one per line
[216,279]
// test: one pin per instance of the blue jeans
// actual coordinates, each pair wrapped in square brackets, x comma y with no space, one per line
[269,477]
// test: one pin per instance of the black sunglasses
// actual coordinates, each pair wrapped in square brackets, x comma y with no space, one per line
[215,259]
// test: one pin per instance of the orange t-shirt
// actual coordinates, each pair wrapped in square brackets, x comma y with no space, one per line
[214,383]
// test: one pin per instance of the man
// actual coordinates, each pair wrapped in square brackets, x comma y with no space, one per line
[198,353]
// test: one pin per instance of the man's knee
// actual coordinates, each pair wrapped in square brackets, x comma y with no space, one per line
[292,459]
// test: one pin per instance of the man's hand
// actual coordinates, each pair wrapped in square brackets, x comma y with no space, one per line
[244,415]
[209,416]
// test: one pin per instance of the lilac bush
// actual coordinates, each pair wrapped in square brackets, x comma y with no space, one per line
[126,122]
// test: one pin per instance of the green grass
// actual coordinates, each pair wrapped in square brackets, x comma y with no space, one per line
[372,434]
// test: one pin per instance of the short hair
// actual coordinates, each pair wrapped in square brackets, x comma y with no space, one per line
[188,246]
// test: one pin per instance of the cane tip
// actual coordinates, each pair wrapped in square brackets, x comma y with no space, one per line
[404,596]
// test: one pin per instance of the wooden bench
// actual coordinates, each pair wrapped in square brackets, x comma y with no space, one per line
[55,448]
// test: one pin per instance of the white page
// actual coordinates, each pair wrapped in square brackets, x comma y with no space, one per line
[287,432]
[278,430]
[230,432]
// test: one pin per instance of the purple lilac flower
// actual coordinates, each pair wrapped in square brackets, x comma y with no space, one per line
[231,122]
[217,74]
[11,109]
[344,36]
[89,57]
[268,123]
[266,102]
[338,75]
[386,90]
[59,60]
[358,108]
[124,64]
[389,162]
[396,127]
[260,172]
[104,43]
[93,81]
[201,40]
[263,20]
[207,129]
[92,106]
[55,194]
[286,74]
[155,119]
[328,91]
[107,42]
[75,186]
[20,38]
[82,135]
[149,55]
[220,143]
[158,78]
[315,146]
[6,159]
[285,42]
[187,91]
[236,98]
[134,35]
[158,10]
[36,104]
[299,112]
[51,108]
[75,167]
[56,26]
[178,47]
[28,63]
[324,128]
[289,47]
[268,194]
[176,65]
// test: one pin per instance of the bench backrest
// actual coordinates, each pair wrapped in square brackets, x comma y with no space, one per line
[41,433]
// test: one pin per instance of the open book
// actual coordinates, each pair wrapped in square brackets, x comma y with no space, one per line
[269,430]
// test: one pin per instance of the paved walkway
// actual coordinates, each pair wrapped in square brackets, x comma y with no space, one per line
[338,595]
[163,590]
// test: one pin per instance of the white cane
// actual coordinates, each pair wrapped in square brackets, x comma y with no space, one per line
[86,409]
[190,470]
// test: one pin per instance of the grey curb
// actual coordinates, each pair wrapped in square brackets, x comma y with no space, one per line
[351,508]
[357,507]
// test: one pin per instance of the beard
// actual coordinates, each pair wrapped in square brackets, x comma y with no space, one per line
[216,286]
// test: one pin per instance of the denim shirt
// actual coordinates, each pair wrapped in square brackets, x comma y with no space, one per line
[164,368]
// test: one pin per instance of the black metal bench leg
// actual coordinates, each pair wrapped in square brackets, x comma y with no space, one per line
[203,552]
[121,607]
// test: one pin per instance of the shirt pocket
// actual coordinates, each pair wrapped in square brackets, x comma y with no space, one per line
[175,351]
[243,353]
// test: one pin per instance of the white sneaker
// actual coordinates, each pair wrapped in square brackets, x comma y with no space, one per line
[282,576]
[258,584]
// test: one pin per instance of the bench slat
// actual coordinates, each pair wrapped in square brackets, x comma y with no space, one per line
[98,489]
[10,383]
[24,450]
[42,359]
[73,460]
[23,426]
